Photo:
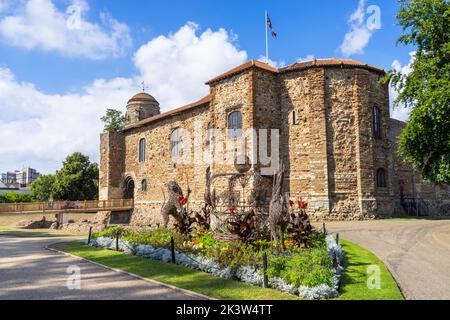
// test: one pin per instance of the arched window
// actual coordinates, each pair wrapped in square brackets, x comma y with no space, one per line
[235,124]
[144,185]
[142,151]
[376,123]
[381,178]
[175,142]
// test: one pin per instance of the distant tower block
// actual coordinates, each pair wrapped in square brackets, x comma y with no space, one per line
[141,106]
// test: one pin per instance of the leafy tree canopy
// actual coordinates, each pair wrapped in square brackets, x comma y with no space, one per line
[114,120]
[77,180]
[42,188]
[425,142]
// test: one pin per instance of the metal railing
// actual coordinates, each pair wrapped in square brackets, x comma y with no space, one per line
[68,206]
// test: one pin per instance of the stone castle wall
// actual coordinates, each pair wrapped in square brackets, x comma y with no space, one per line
[329,149]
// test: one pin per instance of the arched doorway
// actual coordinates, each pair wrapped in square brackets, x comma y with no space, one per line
[128,192]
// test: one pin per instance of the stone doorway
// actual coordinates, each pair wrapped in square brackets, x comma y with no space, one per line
[129,188]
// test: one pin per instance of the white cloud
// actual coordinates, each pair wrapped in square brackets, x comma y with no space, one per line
[176,66]
[41,129]
[309,57]
[400,112]
[39,24]
[361,30]
[272,63]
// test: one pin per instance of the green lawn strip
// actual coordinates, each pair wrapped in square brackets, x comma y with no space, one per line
[178,276]
[354,280]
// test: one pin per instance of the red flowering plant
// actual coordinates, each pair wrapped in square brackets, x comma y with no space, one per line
[182,200]
[232,210]
[303,205]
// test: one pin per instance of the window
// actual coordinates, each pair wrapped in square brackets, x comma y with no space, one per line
[142,147]
[144,185]
[175,142]
[294,117]
[209,135]
[381,178]
[141,115]
[376,123]
[235,125]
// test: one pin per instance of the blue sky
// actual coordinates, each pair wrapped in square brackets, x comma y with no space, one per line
[72,76]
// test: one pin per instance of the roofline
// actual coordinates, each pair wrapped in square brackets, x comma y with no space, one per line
[316,63]
[202,102]
[242,68]
[327,63]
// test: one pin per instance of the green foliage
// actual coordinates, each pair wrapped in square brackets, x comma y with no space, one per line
[425,142]
[109,232]
[42,188]
[114,120]
[235,254]
[77,180]
[309,268]
[15,197]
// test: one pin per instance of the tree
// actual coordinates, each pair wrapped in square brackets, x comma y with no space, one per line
[77,180]
[425,141]
[114,120]
[42,188]
[16,197]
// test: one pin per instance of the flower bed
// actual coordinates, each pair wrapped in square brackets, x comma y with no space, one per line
[306,272]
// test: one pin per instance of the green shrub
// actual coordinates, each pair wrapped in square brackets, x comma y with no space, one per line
[310,267]
[235,254]
[299,266]
[109,232]
[16,197]
[276,265]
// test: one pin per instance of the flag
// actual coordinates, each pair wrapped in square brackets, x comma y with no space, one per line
[269,24]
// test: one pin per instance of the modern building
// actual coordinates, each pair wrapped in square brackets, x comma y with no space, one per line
[20,178]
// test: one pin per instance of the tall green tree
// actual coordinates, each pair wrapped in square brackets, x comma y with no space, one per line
[114,120]
[42,188]
[425,142]
[77,180]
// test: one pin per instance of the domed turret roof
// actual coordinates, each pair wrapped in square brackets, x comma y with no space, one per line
[142,97]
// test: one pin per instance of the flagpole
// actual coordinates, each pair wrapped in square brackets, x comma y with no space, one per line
[267,43]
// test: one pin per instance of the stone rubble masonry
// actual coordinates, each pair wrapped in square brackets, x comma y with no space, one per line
[330,153]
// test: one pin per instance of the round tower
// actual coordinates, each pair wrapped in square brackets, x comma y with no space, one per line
[141,106]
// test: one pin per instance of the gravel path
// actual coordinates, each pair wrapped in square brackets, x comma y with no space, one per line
[417,252]
[29,271]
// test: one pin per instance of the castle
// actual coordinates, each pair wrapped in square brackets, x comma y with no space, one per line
[336,140]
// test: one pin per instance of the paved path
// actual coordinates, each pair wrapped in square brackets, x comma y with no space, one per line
[417,252]
[28,271]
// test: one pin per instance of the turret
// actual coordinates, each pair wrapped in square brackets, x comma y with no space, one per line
[141,106]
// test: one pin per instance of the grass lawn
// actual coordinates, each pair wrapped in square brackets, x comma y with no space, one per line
[353,282]
[35,233]
[179,276]
[353,285]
